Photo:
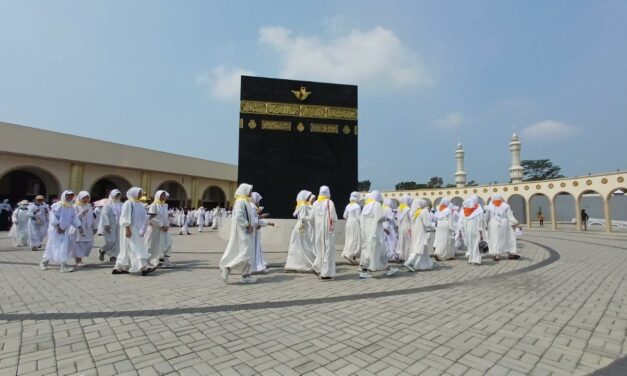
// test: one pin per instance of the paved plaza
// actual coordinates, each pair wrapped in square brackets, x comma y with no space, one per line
[559,310]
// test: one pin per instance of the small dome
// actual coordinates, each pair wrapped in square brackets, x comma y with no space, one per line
[459,145]
[514,137]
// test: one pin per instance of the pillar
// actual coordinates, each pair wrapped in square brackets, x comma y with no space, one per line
[528,211]
[578,213]
[146,183]
[77,171]
[195,194]
[460,174]
[608,213]
[553,215]
[516,171]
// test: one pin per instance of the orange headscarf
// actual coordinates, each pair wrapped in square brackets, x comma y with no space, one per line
[497,203]
[469,211]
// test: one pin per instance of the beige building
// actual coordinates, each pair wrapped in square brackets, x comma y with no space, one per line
[34,161]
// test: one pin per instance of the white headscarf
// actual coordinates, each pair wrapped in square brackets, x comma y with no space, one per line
[497,209]
[158,197]
[439,214]
[325,191]
[64,199]
[65,210]
[114,193]
[243,190]
[374,195]
[134,193]
[301,199]
[81,195]
[255,197]
[354,197]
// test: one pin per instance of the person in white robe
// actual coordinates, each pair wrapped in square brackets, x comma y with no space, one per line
[38,213]
[501,236]
[300,253]
[158,238]
[208,218]
[82,240]
[259,264]
[200,214]
[238,254]
[19,230]
[325,220]
[133,255]
[390,230]
[373,255]
[403,221]
[63,221]
[444,244]
[216,218]
[420,222]
[109,226]
[352,234]
[472,228]
[185,217]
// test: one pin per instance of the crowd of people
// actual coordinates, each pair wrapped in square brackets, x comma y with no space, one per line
[379,234]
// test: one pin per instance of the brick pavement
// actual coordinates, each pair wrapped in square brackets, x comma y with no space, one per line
[555,312]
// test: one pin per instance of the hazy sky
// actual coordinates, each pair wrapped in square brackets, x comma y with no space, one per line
[165,75]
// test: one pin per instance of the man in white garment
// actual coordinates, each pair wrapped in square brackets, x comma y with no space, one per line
[325,220]
[238,254]
[38,222]
[501,236]
[374,254]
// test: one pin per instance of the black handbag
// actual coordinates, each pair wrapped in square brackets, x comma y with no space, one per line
[483,246]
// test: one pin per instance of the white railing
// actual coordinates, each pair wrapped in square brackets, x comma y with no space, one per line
[601,222]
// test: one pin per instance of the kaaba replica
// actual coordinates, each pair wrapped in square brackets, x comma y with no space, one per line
[297,135]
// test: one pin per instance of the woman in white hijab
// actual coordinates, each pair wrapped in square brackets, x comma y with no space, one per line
[158,238]
[83,239]
[403,220]
[38,213]
[238,254]
[259,264]
[352,237]
[133,251]
[472,227]
[444,243]
[419,255]
[389,228]
[325,219]
[19,230]
[63,219]
[110,226]
[373,256]
[501,236]
[300,253]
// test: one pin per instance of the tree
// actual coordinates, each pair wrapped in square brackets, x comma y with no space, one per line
[363,186]
[540,169]
[435,182]
[409,186]
[472,183]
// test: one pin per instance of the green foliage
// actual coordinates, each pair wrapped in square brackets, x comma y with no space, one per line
[540,169]
[363,186]
[435,182]
[409,185]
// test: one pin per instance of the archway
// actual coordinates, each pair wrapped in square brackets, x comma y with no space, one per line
[617,206]
[540,209]
[519,209]
[592,202]
[212,197]
[178,196]
[103,186]
[457,201]
[565,208]
[24,183]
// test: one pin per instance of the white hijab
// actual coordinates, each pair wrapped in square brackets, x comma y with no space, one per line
[440,214]
[301,197]
[374,195]
[114,193]
[255,197]
[325,191]
[243,190]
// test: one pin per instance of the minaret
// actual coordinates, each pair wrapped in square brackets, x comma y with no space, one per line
[516,171]
[460,174]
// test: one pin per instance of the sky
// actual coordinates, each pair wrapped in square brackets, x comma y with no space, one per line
[165,75]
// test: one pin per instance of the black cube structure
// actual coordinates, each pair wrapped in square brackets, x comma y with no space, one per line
[297,135]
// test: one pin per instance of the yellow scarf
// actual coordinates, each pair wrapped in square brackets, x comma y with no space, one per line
[402,207]
[322,198]
[241,198]
[417,213]
[370,201]
[301,203]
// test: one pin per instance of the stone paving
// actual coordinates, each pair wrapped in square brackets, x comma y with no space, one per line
[559,310]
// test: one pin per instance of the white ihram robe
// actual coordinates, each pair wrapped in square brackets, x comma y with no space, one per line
[501,235]
[352,236]
[83,238]
[37,224]
[403,220]
[239,251]
[19,230]
[419,256]
[325,219]
[472,227]
[300,253]
[62,217]
[159,242]
[110,216]
[373,256]
[133,251]
[444,243]
[258,264]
